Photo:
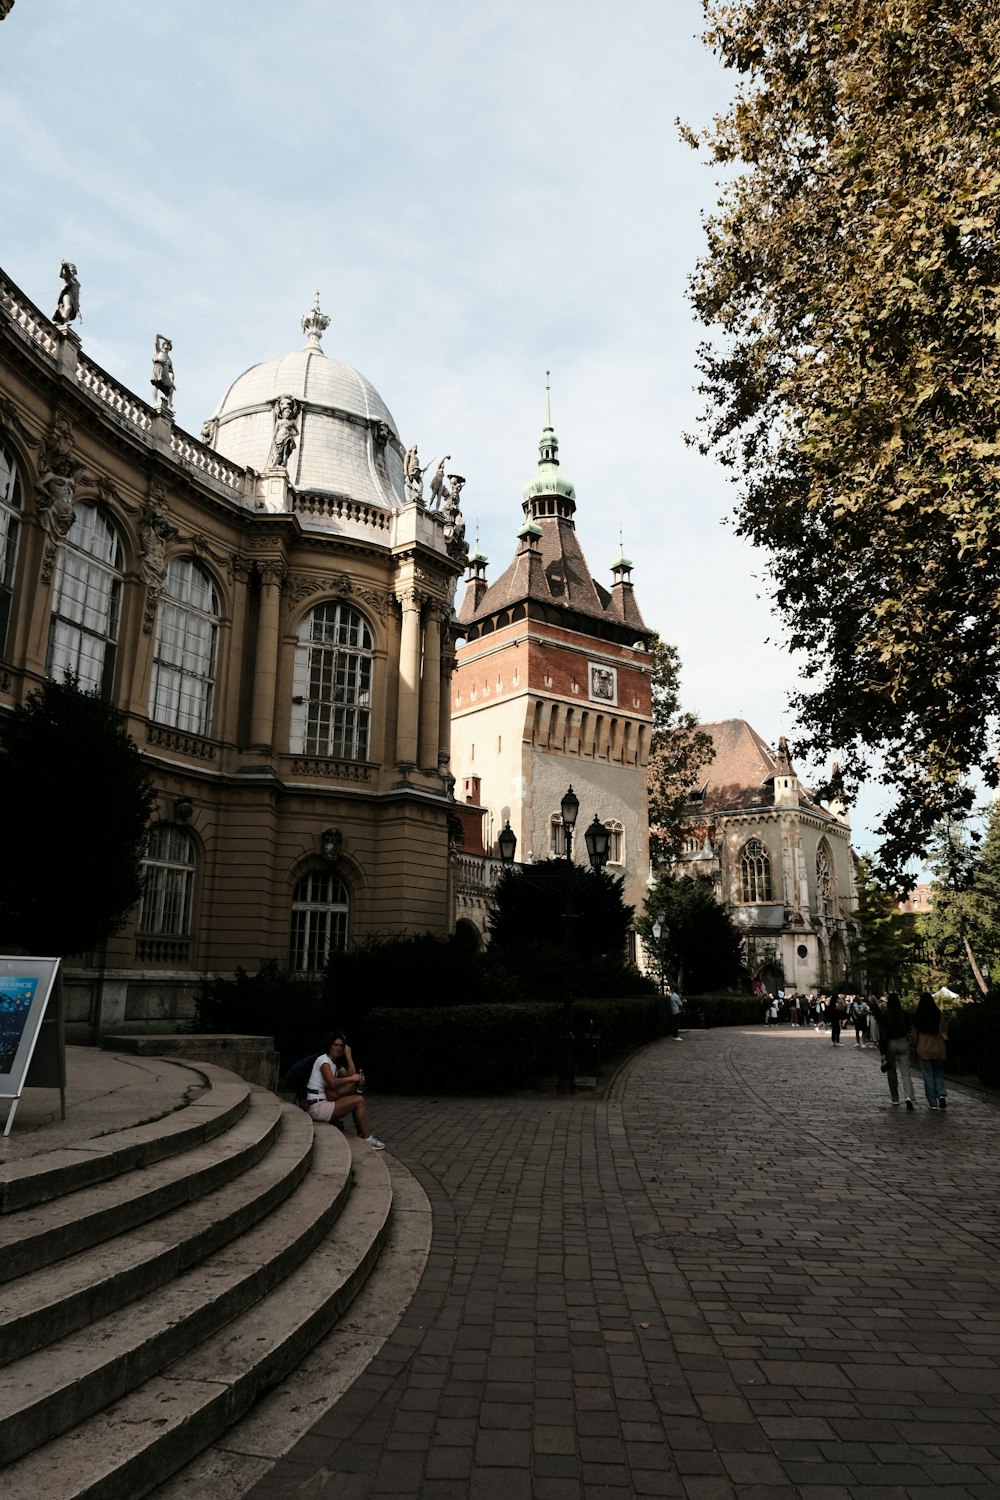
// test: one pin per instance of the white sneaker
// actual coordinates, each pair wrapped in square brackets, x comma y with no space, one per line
[677,1039]
[375,1143]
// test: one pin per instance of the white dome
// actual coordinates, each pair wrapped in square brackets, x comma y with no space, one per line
[346,442]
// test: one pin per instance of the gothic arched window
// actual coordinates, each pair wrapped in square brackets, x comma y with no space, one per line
[11,502]
[616,841]
[320,908]
[826,891]
[332,690]
[86,602]
[755,873]
[187,627]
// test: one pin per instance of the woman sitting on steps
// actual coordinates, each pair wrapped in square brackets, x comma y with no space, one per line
[331,1093]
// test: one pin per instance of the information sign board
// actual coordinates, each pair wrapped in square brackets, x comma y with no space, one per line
[26,985]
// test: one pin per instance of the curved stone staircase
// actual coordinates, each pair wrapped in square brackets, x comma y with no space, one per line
[155,1281]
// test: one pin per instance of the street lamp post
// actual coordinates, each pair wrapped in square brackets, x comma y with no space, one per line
[598,841]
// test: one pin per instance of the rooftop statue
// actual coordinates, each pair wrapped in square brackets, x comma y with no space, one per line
[162,378]
[439,490]
[68,307]
[285,437]
[414,475]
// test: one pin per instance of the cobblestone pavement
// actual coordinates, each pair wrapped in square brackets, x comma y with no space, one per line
[742,1274]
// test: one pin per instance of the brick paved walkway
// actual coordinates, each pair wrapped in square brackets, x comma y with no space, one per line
[741,1275]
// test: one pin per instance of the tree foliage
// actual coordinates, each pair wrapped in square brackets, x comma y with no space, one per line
[699,947]
[76,801]
[679,750]
[556,925]
[853,270]
[963,927]
[889,939]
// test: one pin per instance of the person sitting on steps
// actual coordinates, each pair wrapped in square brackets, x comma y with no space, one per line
[331,1093]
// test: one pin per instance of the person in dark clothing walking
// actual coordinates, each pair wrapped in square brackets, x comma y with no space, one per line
[833,1016]
[894,1045]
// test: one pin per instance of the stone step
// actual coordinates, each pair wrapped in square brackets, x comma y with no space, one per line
[52,1231]
[47,1392]
[126,1450]
[217,1100]
[37,1309]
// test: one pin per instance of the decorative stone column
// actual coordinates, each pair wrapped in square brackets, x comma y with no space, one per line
[430,690]
[272,575]
[444,709]
[409,679]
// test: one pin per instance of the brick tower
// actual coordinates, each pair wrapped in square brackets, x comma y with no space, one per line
[552,688]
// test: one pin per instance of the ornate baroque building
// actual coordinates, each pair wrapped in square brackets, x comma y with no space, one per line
[779,860]
[553,688]
[270,605]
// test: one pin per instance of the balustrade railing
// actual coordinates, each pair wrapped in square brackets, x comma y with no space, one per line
[27,317]
[477,871]
[113,395]
[340,508]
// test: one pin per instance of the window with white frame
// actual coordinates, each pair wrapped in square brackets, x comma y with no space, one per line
[616,842]
[86,602]
[168,869]
[557,837]
[332,689]
[11,502]
[755,873]
[187,627]
[320,908]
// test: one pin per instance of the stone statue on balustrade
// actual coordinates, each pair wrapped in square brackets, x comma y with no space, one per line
[285,437]
[162,378]
[414,475]
[439,490]
[68,307]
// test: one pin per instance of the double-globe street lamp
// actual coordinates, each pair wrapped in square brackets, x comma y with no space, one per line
[598,841]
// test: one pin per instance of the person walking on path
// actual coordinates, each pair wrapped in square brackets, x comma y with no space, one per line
[676,1006]
[932,1034]
[894,1044]
[833,1016]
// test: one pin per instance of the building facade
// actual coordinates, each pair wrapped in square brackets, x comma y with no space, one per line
[270,606]
[779,860]
[552,688]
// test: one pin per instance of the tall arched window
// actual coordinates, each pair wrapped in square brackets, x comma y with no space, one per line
[755,873]
[332,689]
[320,908]
[11,502]
[168,867]
[187,628]
[826,891]
[86,602]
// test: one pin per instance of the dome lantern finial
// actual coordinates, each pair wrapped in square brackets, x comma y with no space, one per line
[314,325]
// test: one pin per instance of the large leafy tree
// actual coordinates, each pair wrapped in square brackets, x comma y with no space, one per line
[76,802]
[556,925]
[699,947]
[678,752]
[889,939]
[853,270]
[963,926]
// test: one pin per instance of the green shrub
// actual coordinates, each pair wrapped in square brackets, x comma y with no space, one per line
[493,1048]
[724,1009]
[272,1002]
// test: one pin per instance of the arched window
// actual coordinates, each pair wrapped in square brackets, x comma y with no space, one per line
[755,873]
[331,702]
[320,907]
[187,627]
[616,846]
[168,868]
[86,602]
[826,891]
[557,837]
[11,503]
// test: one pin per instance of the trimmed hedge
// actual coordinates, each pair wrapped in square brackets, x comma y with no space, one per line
[724,1009]
[492,1049]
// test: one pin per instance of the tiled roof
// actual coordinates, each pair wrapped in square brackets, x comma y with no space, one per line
[741,775]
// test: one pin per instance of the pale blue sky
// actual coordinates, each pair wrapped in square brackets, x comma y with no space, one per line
[479,193]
